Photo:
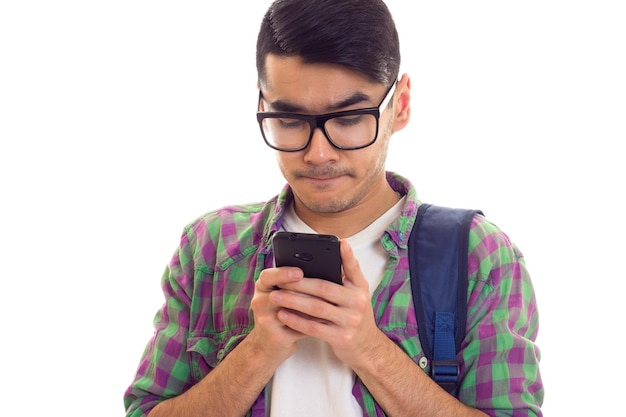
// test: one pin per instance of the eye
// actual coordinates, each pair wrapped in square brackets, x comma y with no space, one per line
[348,120]
[290,123]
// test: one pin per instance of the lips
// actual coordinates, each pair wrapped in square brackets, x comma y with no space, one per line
[321,178]
[321,175]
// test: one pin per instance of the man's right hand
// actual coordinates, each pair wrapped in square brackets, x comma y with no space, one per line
[270,336]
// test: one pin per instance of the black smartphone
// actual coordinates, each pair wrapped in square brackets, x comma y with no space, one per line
[316,254]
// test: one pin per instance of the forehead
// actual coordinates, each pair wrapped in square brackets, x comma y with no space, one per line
[313,85]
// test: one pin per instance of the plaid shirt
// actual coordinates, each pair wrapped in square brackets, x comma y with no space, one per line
[209,283]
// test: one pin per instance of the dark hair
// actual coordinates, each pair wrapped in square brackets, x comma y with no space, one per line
[358,34]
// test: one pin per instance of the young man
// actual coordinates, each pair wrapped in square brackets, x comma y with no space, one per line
[238,336]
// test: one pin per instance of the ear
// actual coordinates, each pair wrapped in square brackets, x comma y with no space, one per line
[261,105]
[402,104]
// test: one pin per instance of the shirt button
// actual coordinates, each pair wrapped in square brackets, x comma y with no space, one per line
[221,353]
[423,362]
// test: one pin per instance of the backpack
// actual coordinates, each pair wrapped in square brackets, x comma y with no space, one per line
[438,248]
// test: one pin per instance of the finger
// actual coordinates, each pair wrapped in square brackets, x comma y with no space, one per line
[273,278]
[351,269]
[306,325]
[305,304]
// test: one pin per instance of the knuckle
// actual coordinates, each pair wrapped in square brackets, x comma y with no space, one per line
[347,338]
[318,309]
[255,302]
[353,321]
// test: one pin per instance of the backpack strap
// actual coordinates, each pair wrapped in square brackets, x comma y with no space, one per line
[438,251]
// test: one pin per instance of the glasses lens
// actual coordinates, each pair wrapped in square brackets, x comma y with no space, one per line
[286,133]
[350,131]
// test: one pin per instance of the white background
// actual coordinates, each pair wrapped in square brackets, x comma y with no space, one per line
[121,121]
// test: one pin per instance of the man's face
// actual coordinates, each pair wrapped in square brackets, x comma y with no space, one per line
[326,179]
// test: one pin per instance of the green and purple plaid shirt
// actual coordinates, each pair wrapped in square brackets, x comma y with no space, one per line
[209,283]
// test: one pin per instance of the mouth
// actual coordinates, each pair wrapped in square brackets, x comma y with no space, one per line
[328,178]
[325,175]
[321,180]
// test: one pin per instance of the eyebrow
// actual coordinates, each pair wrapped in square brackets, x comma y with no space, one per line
[288,107]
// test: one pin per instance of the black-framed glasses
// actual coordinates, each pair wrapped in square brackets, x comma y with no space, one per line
[347,130]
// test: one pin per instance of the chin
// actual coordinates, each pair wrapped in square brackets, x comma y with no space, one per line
[328,205]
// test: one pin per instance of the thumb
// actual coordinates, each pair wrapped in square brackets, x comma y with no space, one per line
[352,274]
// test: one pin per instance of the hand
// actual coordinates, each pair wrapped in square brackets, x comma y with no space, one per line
[340,315]
[270,335]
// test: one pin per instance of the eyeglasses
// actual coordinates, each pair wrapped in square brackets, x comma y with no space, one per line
[347,130]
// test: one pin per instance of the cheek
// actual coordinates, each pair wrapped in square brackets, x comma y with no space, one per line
[374,166]
[283,164]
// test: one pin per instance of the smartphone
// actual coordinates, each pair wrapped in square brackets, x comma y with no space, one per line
[316,254]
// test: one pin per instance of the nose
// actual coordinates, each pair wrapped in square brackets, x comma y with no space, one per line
[320,150]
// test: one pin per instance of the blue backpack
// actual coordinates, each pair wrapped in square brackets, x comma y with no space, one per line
[438,248]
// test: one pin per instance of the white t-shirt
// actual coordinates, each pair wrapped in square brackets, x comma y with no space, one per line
[313,382]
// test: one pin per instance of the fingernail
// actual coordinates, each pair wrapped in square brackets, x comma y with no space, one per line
[295,273]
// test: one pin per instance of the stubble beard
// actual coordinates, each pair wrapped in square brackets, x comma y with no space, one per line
[341,203]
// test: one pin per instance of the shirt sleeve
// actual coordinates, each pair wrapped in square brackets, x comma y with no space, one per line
[164,368]
[500,360]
